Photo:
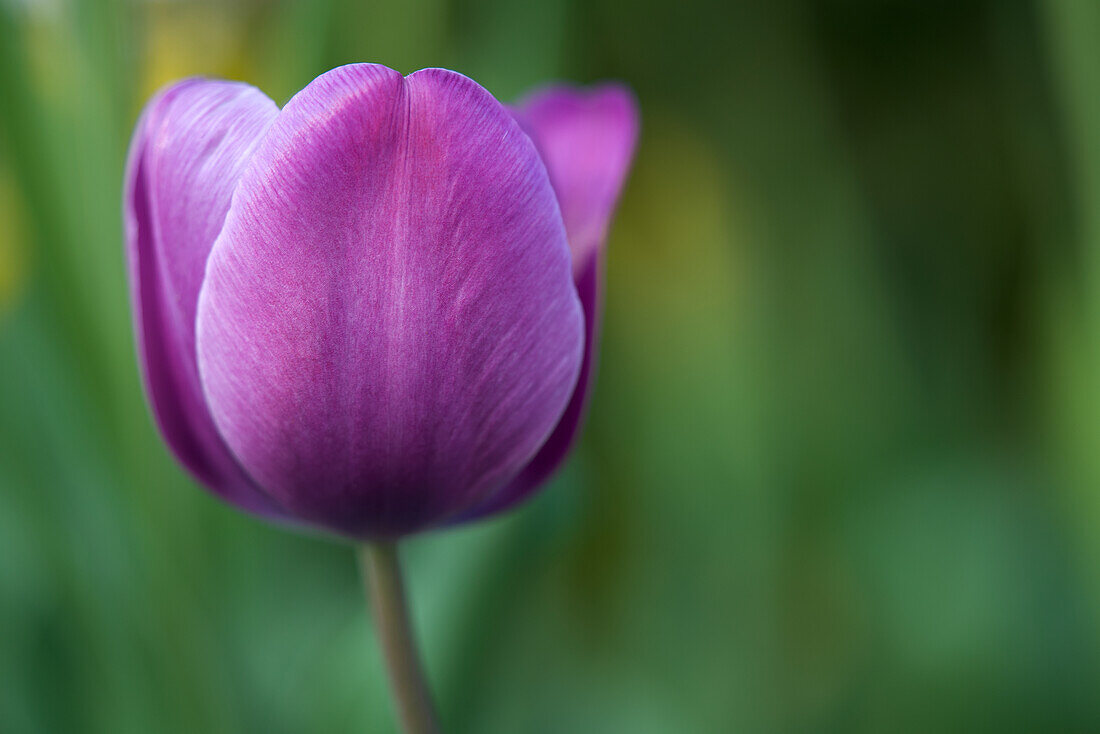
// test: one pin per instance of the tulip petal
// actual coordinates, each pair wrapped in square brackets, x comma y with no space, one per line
[186,157]
[388,329]
[586,138]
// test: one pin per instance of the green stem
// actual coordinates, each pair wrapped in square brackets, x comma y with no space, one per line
[382,576]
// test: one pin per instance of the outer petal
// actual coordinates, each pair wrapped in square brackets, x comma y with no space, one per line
[186,157]
[388,329]
[587,139]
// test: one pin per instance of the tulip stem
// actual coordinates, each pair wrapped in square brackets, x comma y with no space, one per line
[386,589]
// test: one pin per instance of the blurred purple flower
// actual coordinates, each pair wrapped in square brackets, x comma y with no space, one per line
[376,310]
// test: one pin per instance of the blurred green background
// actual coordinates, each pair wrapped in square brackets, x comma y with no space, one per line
[842,470]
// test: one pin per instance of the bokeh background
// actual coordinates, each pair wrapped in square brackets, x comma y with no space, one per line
[842,470]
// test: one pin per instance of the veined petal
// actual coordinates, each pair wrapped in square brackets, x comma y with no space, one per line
[186,157]
[388,329]
[586,138]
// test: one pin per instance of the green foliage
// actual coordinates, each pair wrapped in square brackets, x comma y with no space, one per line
[842,470]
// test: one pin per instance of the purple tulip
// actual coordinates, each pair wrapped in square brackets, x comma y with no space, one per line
[374,311]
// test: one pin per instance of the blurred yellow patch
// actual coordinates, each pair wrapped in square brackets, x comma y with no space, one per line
[189,39]
[677,250]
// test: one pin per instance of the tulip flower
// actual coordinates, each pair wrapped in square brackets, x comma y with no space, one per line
[375,311]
